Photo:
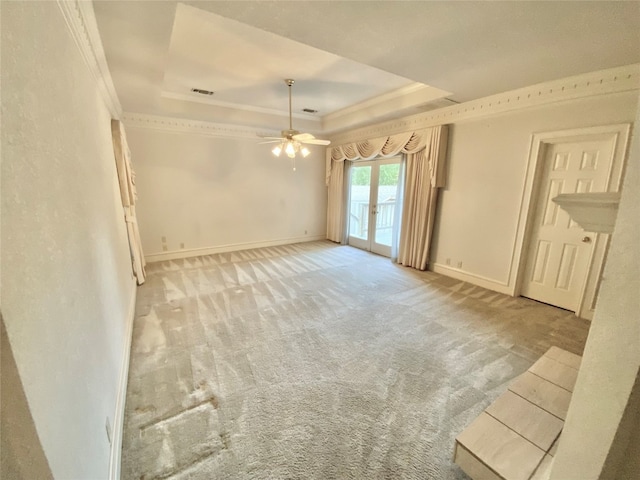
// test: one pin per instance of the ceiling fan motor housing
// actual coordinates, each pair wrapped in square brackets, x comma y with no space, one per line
[288,134]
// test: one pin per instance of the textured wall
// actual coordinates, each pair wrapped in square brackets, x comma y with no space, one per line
[210,192]
[611,361]
[66,275]
[479,208]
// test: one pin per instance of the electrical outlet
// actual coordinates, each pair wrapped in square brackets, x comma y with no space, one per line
[164,239]
[459,264]
[182,245]
[305,232]
[108,427]
[448,261]
[164,248]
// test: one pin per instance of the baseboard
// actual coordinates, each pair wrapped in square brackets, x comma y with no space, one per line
[118,417]
[232,247]
[478,280]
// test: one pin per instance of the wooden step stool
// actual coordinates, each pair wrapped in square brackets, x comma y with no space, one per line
[515,438]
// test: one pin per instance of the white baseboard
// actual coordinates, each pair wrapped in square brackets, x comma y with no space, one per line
[118,417]
[484,282]
[232,247]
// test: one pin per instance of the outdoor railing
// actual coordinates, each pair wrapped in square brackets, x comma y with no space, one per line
[359,217]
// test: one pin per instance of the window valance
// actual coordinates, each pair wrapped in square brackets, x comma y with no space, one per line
[406,142]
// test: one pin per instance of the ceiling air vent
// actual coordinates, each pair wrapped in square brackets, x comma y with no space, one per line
[309,110]
[202,91]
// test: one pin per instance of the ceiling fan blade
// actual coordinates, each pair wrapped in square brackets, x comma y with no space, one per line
[270,141]
[301,137]
[315,141]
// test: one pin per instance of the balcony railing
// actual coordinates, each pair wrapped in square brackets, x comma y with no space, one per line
[359,218]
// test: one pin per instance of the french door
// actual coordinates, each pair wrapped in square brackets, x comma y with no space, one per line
[373,188]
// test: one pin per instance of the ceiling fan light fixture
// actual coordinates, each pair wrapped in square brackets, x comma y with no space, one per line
[290,150]
[291,141]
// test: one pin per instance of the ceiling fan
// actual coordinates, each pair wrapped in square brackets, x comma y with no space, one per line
[291,141]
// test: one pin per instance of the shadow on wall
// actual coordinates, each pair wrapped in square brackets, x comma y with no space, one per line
[21,454]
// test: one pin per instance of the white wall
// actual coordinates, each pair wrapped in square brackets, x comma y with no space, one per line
[66,275]
[478,210]
[611,362]
[222,193]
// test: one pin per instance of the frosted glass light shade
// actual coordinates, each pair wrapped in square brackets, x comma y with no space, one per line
[290,150]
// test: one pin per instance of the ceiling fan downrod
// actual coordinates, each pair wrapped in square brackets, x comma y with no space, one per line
[290,82]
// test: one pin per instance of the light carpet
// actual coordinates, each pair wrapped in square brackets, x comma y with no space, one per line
[318,361]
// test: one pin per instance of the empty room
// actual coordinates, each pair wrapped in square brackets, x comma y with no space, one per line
[320,240]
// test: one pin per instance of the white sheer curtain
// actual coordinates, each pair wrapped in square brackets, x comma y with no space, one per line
[425,174]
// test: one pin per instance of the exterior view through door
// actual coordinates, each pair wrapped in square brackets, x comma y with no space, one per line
[373,188]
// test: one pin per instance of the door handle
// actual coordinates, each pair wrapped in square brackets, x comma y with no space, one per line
[586,240]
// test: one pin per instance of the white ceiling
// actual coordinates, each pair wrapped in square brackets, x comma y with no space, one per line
[356,62]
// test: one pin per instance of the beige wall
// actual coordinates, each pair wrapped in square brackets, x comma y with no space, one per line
[208,192]
[66,276]
[479,208]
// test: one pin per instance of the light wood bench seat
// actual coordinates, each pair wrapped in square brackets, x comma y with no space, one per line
[515,438]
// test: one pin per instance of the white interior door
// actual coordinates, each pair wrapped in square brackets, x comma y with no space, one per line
[560,251]
[372,204]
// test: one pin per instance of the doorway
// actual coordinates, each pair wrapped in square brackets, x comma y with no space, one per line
[373,205]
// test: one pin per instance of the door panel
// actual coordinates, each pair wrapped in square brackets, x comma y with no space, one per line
[359,206]
[560,250]
[372,204]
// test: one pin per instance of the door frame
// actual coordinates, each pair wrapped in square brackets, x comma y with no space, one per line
[533,182]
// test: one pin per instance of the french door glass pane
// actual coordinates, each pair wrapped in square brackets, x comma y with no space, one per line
[385,211]
[359,201]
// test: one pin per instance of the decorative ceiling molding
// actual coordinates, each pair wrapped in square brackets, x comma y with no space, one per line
[621,79]
[197,127]
[393,95]
[81,22]
[614,80]
[191,97]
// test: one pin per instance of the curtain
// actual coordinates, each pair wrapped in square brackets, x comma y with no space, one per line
[397,213]
[407,142]
[336,201]
[425,173]
[128,195]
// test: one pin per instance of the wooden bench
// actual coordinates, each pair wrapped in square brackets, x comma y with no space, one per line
[515,438]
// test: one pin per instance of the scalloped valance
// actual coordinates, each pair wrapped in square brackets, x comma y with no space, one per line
[407,142]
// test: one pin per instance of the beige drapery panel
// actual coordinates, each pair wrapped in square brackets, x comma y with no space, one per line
[425,173]
[128,195]
[407,142]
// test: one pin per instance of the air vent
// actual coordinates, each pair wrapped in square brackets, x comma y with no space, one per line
[202,92]
[309,110]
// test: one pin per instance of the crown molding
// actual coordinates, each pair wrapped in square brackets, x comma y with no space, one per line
[602,82]
[392,95]
[81,22]
[197,127]
[615,80]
